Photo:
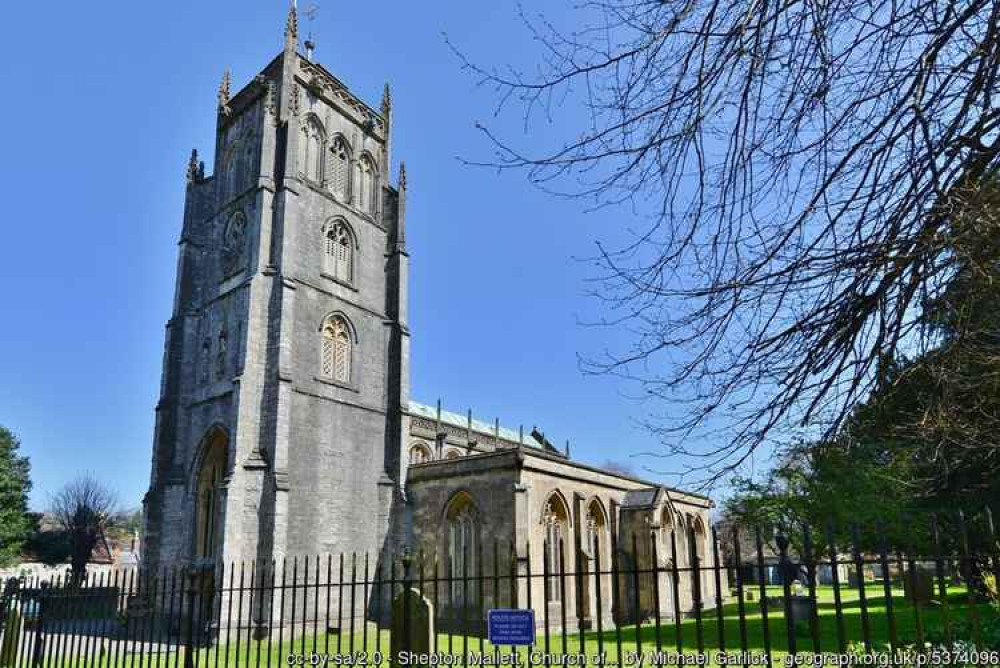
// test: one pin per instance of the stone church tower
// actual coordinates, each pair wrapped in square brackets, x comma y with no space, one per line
[286,365]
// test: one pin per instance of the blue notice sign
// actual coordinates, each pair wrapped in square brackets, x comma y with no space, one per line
[511,627]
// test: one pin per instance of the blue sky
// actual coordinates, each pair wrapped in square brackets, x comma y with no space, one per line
[103,103]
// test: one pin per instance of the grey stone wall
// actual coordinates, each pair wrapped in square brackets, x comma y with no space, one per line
[313,466]
[511,488]
[489,480]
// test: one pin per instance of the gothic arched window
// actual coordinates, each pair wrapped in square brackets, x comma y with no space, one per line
[338,252]
[463,546]
[367,185]
[335,358]
[419,453]
[555,521]
[340,169]
[312,150]
[452,454]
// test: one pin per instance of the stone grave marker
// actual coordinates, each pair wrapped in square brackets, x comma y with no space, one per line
[418,620]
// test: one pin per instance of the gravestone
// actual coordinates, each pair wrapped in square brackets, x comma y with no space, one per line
[801,608]
[918,586]
[412,624]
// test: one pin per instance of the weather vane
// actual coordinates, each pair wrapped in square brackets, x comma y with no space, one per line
[310,13]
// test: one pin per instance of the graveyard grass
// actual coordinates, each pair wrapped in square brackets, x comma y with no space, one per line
[960,615]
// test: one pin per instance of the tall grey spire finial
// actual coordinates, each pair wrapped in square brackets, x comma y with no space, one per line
[224,92]
[292,28]
[386,101]
[192,168]
[402,175]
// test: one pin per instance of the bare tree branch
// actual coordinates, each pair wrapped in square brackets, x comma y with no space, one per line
[799,157]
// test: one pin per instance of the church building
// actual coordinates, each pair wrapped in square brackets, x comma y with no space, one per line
[285,425]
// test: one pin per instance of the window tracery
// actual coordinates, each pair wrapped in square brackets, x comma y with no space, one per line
[335,362]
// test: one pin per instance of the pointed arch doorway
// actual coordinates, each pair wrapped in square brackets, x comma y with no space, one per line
[208,498]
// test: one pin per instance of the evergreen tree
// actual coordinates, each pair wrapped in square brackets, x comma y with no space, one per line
[15,483]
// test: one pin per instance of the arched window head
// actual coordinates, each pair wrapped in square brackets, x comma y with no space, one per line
[338,252]
[367,185]
[336,350]
[463,549]
[555,521]
[340,169]
[419,453]
[313,139]
[208,507]
[452,454]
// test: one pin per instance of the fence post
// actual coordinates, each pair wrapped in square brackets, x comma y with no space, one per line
[189,632]
[39,654]
[765,626]
[637,594]
[835,575]
[719,613]
[699,627]
[811,574]
[968,572]
[787,570]
[740,601]
[859,567]
[994,550]
[407,560]
[939,572]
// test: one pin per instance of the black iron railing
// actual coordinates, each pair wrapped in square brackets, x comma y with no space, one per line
[644,596]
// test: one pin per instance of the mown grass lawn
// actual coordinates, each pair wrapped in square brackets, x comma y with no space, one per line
[365,647]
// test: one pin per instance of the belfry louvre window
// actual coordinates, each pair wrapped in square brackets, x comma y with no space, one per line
[340,169]
[335,359]
[338,248]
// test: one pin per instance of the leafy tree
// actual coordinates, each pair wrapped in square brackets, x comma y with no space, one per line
[15,483]
[798,164]
[50,547]
[925,440]
[125,524]
[941,410]
[832,488]
[83,509]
